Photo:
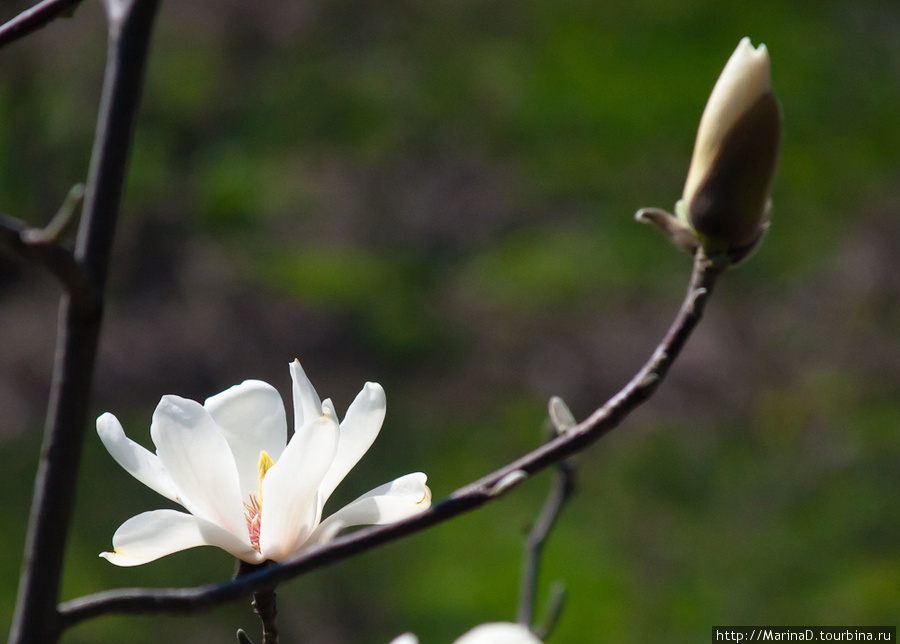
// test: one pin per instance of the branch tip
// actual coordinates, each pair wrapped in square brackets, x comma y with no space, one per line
[553,611]
[62,222]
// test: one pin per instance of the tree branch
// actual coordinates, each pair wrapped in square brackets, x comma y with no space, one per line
[36,618]
[264,605]
[469,497]
[43,246]
[561,489]
[35,18]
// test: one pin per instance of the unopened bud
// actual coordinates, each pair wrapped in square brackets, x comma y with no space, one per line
[726,195]
[724,208]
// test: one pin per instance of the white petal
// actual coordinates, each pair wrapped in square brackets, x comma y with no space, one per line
[307,405]
[499,633]
[200,462]
[290,507]
[141,463]
[152,535]
[406,638]
[251,417]
[743,80]
[359,429]
[394,501]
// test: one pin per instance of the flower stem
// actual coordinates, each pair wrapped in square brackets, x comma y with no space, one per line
[264,605]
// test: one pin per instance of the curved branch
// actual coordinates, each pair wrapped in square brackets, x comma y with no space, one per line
[469,497]
[35,18]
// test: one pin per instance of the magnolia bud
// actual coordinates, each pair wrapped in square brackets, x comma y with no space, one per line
[726,195]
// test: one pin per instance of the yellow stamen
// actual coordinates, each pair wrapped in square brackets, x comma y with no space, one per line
[265,462]
[253,508]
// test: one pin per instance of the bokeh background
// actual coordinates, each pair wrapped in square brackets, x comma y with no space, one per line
[439,196]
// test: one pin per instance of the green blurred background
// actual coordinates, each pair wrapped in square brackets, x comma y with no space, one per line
[439,196]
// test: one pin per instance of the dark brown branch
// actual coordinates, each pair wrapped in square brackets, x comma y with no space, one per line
[469,497]
[36,618]
[35,18]
[264,605]
[43,246]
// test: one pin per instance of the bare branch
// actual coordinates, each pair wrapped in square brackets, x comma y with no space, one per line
[561,490]
[552,611]
[469,497]
[35,18]
[36,618]
[42,246]
[264,605]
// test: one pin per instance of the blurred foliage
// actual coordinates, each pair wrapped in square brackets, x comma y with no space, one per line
[438,196]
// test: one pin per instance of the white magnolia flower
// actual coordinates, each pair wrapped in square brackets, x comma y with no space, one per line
[246,488]
[493,633]
[726,193]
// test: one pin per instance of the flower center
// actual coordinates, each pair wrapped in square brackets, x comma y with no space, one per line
[253,507]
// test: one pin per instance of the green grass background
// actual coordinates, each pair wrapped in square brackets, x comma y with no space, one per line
[439,196]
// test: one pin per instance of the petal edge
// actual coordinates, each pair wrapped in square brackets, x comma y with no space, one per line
[151,535]
[138,461]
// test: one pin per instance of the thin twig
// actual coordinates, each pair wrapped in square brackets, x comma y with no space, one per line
[469,497]
[36,618]
[560,491]
[43,246]
[552,611]
[35,18]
